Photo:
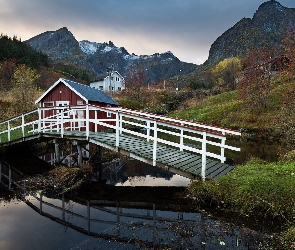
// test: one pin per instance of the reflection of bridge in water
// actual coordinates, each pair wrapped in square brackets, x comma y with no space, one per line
[141,224]
[144,224]
[186,148]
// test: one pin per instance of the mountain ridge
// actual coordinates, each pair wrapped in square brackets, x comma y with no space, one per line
[62,46]
[268,27]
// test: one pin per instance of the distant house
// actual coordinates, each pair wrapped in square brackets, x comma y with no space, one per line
[104,82]
[65,93]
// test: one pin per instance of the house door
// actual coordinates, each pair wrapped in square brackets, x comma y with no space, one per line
[81,116]
[62,113]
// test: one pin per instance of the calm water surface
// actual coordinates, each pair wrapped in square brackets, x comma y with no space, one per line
[23,228]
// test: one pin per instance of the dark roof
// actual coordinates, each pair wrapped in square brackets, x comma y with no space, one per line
[91,94]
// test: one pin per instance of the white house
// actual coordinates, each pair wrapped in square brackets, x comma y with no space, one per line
[104,82]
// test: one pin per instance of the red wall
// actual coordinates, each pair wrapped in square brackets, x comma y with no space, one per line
[62,93]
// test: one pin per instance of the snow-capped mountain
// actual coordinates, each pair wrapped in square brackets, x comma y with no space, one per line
[61,46]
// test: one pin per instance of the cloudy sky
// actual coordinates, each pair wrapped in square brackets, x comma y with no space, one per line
[187,28]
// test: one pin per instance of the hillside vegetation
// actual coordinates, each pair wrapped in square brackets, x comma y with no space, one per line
[230,110]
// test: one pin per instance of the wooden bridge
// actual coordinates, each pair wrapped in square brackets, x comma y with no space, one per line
[184,147]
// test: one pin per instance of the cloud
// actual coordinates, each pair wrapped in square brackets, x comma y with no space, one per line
[185,27]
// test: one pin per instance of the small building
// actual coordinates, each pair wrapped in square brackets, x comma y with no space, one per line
[104,82]
[65,93]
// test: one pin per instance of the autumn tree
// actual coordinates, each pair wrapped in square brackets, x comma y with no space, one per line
[226,72]
[24,90]
[255,85]
[135,83]
[7,69]
[289,51]
[285,123]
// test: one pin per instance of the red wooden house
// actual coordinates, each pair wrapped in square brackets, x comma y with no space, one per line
[65,93]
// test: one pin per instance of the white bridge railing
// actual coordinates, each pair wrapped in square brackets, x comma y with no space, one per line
[183,135]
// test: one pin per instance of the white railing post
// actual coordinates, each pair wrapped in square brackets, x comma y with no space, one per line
[95,118]
[181,140]
[23,125]
[118,129]
[121,124]
[204,150]
[39,121]
[87,121]
[148,130]
[222,148]
[62,124]
[155,144]
[8,132]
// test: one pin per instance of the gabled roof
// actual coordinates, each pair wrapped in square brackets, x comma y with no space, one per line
[103,76]
[85,92]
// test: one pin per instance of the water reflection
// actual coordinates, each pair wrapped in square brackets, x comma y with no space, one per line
[125,172]
[26,226]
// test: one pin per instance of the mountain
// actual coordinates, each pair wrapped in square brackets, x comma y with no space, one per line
[268,27]
[62,46]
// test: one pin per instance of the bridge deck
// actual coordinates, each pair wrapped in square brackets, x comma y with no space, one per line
[180,162]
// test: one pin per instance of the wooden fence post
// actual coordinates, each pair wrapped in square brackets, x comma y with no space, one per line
[57,153]
[222,147]
[148,130]
[23,125]
[181,139]
[87,122]
[118,129]
[95,118]
[155,145]
[80,156]
[39,121]
[204,152]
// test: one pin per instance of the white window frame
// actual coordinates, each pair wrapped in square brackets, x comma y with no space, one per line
[65,105]
[108,113]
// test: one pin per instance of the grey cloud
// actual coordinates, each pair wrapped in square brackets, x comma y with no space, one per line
[185,27]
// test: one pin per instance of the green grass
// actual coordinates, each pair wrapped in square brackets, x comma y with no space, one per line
[228,110]
[14,135]
[255,189]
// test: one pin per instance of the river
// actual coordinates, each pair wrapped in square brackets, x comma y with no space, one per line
[45,221]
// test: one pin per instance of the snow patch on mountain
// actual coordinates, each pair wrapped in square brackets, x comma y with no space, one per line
[88,48]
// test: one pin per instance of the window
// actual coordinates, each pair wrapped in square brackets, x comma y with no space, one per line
[119,89]
[108,113]
[48,104]
[64,109]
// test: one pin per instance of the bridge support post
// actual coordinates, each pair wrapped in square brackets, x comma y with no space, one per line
[56,149]
[80,158]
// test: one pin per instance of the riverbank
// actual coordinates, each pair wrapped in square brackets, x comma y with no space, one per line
[257,189]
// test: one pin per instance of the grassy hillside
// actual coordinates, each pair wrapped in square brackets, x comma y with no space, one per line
[229,110]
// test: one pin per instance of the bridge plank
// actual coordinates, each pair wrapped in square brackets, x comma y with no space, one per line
[194,161]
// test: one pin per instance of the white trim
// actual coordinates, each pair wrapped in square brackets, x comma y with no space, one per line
[55,84]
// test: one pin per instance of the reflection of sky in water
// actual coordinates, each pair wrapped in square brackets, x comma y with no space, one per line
[148,180]
[23,228]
